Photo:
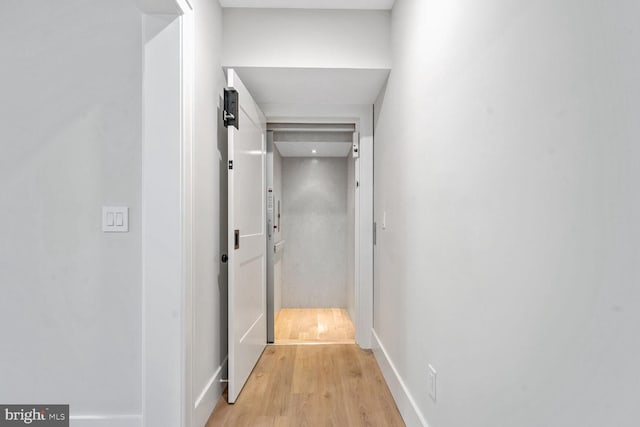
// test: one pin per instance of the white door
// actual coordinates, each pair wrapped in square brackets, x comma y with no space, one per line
[247,244]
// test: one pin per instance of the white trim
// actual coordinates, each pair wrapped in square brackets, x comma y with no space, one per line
[105,417]
[404,400]
[215,379]
[209,396]
[356,246]
[106,420]
[299,344]
[172,294]
[365,230]
[163,224]
[187,61]
[325,4]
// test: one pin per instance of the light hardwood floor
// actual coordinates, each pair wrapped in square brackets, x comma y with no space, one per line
[314,385]
[314,325]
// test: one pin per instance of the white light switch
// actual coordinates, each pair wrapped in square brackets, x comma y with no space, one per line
[115,219]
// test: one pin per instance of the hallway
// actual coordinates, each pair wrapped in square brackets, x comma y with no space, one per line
[460,177]
[329,385]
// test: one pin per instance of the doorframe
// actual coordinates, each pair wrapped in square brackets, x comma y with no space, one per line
[362,117]
[167,140]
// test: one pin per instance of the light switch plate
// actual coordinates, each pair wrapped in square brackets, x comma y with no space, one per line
[115,219]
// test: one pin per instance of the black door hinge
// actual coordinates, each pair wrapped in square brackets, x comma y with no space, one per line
[230,164]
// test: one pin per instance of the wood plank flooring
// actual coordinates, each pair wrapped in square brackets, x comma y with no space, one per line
[336,385]
[314,325]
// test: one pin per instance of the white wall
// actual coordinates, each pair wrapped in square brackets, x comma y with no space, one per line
[209,213]
[314,227]
[70,142]
[506,162]
[74,116]
[302,38]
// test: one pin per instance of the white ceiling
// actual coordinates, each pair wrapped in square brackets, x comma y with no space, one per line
[310,4]
[312,86]
[305,149]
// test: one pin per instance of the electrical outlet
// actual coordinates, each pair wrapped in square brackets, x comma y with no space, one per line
[431,382]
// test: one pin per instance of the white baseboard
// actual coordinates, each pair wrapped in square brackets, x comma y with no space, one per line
[208,397]
[95,420]
[410,412]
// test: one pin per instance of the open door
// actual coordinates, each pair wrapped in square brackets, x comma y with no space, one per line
[247,244]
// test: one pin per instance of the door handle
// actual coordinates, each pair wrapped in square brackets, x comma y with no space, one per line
[225,258]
